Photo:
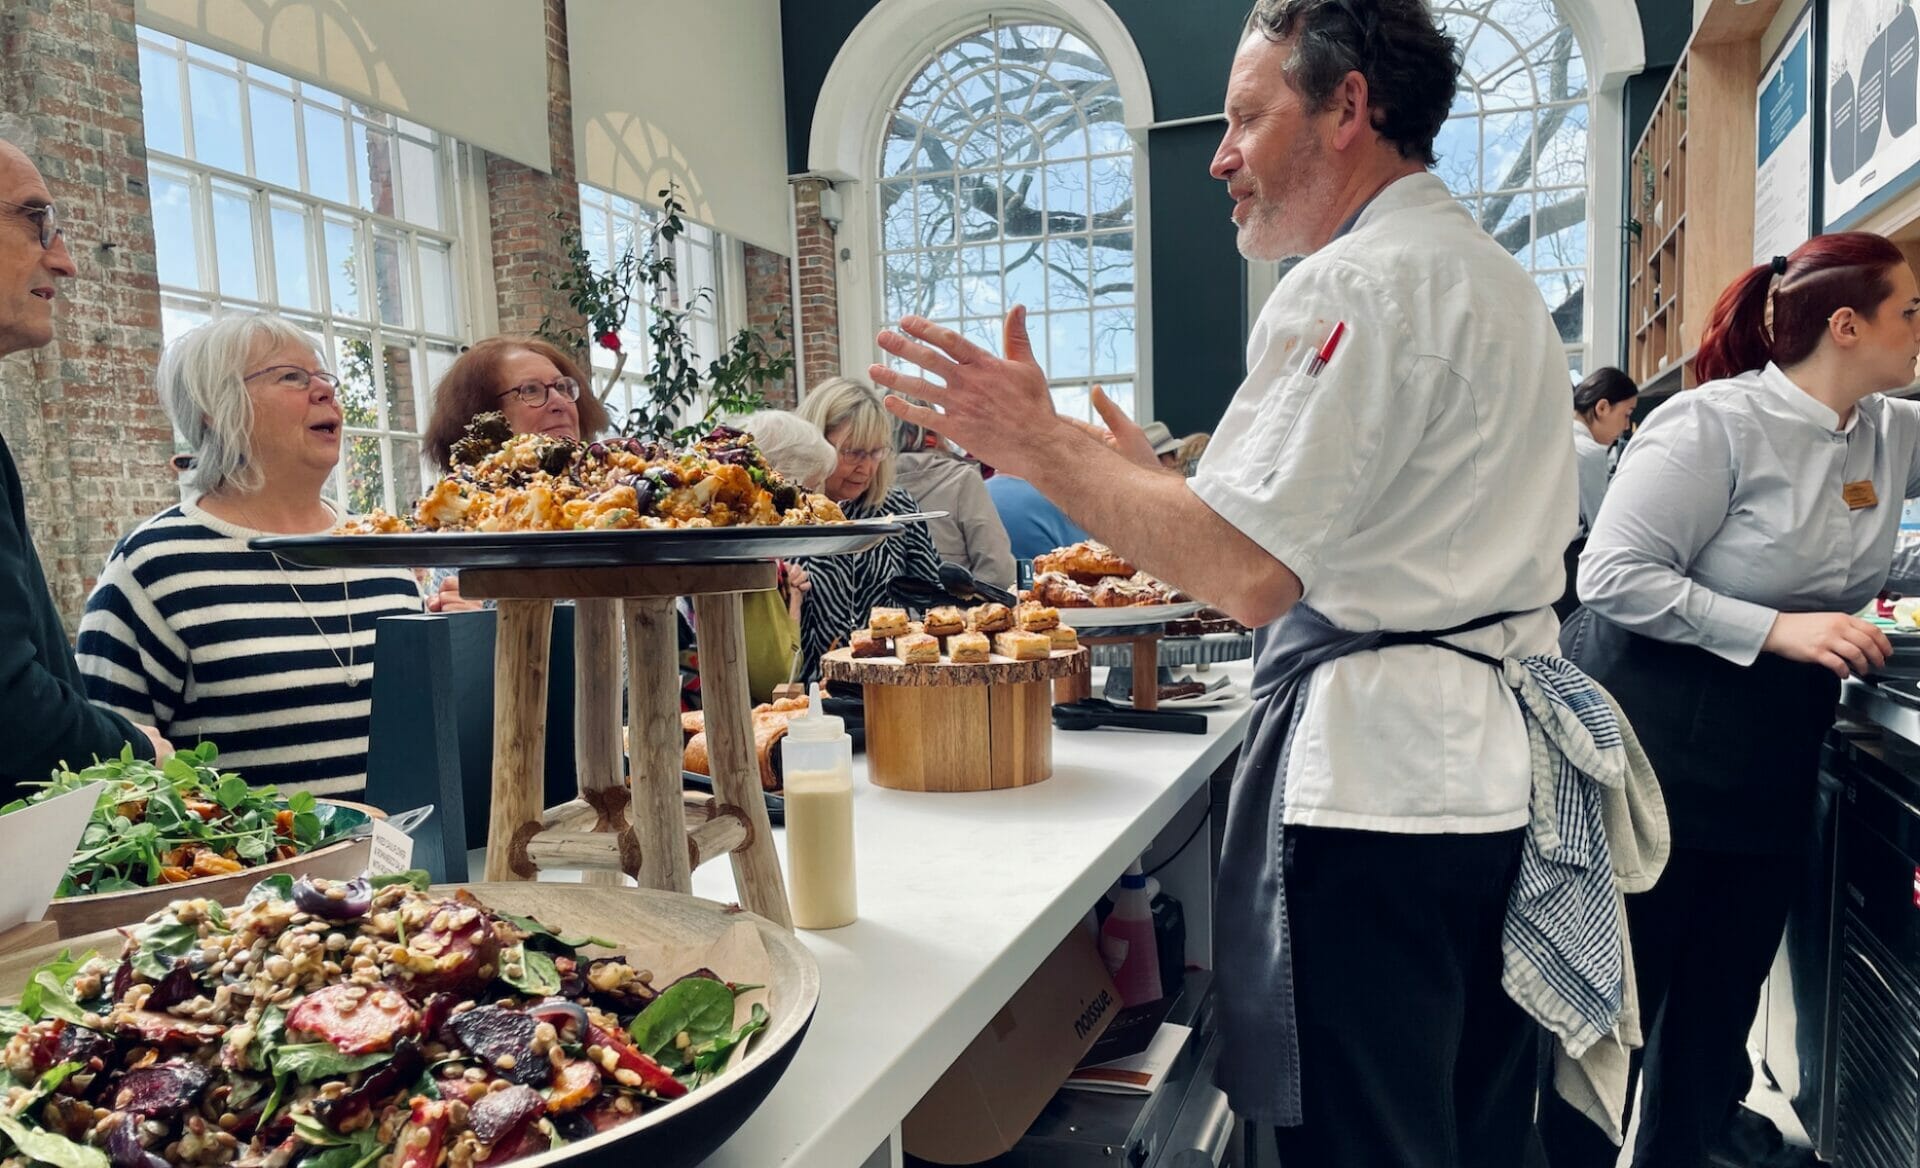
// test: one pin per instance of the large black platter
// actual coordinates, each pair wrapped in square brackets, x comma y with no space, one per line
[577,549]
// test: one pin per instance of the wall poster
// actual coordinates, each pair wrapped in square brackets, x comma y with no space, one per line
[1783,180]
[1872,77]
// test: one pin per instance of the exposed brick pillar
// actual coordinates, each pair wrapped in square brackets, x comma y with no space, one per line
[819,323]
[770,303]
[523,204]
[80,415]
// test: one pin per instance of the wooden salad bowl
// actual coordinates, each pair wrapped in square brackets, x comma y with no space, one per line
[667,931]
[105,910]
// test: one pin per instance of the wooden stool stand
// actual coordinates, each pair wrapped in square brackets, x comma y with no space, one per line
[645,827]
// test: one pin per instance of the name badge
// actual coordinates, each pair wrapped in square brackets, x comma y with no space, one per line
[1859,495]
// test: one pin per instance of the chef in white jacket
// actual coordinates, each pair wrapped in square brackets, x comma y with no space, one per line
[1395,460]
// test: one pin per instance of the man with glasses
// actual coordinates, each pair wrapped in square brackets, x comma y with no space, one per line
[48,717]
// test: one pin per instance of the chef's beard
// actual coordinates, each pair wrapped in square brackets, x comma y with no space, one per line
[1279,225]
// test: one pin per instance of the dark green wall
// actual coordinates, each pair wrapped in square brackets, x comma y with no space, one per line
[1197,307]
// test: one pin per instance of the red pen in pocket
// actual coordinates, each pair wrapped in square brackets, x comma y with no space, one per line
[1325,354]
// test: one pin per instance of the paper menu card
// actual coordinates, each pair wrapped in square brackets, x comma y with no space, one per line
[38,842]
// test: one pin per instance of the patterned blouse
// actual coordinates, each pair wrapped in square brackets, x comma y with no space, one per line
[846,588]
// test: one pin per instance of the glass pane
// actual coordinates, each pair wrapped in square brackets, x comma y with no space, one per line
[326,97]
[1070,344]
[257,75]
[1509,219]
[404,392]
[365,489]
[1075,401]
[935,212]
[1121,392]
[436,288]
[1068,274]
[1561,71]
[1113,191]
[982,331]
[353,363]
[233,243]
[276,149]
[216,119]
[1562,157]
[343,276]
[160,101]
[1489,53]
[295,284]
[900,284]
[939,291]
[896,151]
[373,163]
[1021,211]
[390,277]
[896,216]
[177,316]
[1563,294]
[203,53]
[1026,278]
[1458,148]
[176,243]
[700,271]
[327,170]
[420,183]
[1561,227]
[1039,335]
[407,469]
[1067,195]
[1113,269]
[440,358]
[1506,143]
[1113,341]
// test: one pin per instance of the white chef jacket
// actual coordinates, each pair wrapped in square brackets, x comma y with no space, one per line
[1423,479]
[1594,465]
[1729,508]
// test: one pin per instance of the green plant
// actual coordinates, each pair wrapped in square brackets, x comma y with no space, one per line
[677,382]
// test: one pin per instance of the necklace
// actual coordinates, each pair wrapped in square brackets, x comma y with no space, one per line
[346,595]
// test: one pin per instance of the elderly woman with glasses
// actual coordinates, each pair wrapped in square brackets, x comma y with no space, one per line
[846,588]
[533,383]
[191,630]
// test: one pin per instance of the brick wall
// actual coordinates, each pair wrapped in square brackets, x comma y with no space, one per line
[770,303]
[523,203]
[80,415]
[819,289]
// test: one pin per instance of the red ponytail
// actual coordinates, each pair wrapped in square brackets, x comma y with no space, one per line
[1823,275]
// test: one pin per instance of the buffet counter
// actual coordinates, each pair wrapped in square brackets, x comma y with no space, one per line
[961,896]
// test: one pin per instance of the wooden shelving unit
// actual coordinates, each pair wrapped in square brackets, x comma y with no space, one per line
[1692,199]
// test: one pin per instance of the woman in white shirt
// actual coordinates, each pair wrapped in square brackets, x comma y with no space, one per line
[1744,524]
[1603,407]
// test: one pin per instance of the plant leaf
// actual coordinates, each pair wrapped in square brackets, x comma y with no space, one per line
[48,1148]
[700,1006]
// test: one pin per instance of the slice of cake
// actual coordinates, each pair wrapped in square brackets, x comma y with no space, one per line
[865,644]
[918,649]
[888,622]
[1063,637]
[969,648]
[1023,646]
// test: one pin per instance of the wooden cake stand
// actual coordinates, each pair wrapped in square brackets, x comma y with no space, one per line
[663,839]
[965,727]
[1145,646]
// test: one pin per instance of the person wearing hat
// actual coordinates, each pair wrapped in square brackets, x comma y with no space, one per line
[1166,447]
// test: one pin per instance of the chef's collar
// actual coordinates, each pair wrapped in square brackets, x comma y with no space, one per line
[1803,403]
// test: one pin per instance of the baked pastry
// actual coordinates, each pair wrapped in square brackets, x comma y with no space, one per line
[1058,590]
[945,621]
[1023,646]
[767,733]
[1036,618]
[918,649]
[990,618]
[888,622]
[865,644]
[1115,592]
[969,649]
[1182,689]
[1063,637]
[1088,562]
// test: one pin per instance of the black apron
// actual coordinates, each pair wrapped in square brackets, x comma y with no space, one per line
[1737,747]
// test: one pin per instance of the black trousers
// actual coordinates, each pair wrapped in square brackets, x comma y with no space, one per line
[1703,940]
[1412,1056]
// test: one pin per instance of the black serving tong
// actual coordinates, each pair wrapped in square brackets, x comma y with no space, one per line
[1094,713]
[960,582]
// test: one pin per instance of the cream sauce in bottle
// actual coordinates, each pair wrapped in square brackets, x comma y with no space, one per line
[817,760]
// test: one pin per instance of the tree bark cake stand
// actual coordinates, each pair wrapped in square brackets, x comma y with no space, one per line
[957,727]
[647,831]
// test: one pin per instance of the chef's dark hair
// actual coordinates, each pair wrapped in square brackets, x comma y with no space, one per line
[1778,311]
[1411,65]
[1605,384]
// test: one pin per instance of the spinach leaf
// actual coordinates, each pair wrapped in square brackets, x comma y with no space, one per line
[538,975]
[418,879]
[321,1060]
[268,1033]
[12,1022]
[161,945]
[700,1006]
[46,994]
[357,1150]
[537,932]
[272,888]
[48,1148]
[710,1058]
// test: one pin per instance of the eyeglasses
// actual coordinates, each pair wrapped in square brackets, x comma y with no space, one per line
[295,378]
[874,455]
[535,393]
[45,216]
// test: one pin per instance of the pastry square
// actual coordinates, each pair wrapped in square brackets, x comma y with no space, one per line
[1023,646]
[946,621]
[969,648]
[888,622]
[865,644]
[1063,637]
[990,618]
[1036,618]
[918,649]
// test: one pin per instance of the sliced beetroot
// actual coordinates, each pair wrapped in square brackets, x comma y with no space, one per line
[503,1041]
[434,1015]
[343,1112]
[163,1089]
[463,948]
[575,1085]
[124,1149]
[165,1030]
[91,1049]
[354,1018]
[503,1115]
[122,980]
[423,1134]
[178,986]
[573,1125]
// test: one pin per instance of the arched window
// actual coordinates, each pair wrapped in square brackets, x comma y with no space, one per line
[1515,148]
[1005,176]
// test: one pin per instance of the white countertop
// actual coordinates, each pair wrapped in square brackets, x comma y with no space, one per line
[961,897]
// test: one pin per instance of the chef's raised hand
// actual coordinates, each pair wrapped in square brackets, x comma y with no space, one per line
[1847,645]
[996,408]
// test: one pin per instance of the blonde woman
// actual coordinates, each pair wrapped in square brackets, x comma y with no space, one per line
[846,588]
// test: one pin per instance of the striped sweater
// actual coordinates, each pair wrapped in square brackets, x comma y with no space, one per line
[193,632]
[846,588]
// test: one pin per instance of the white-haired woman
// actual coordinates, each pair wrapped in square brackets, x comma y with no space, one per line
[195,632]
[846,588]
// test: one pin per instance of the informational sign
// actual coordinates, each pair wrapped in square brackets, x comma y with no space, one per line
[1872,77]
[1783,183]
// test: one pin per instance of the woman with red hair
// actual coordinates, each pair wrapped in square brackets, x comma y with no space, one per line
[1747,521]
